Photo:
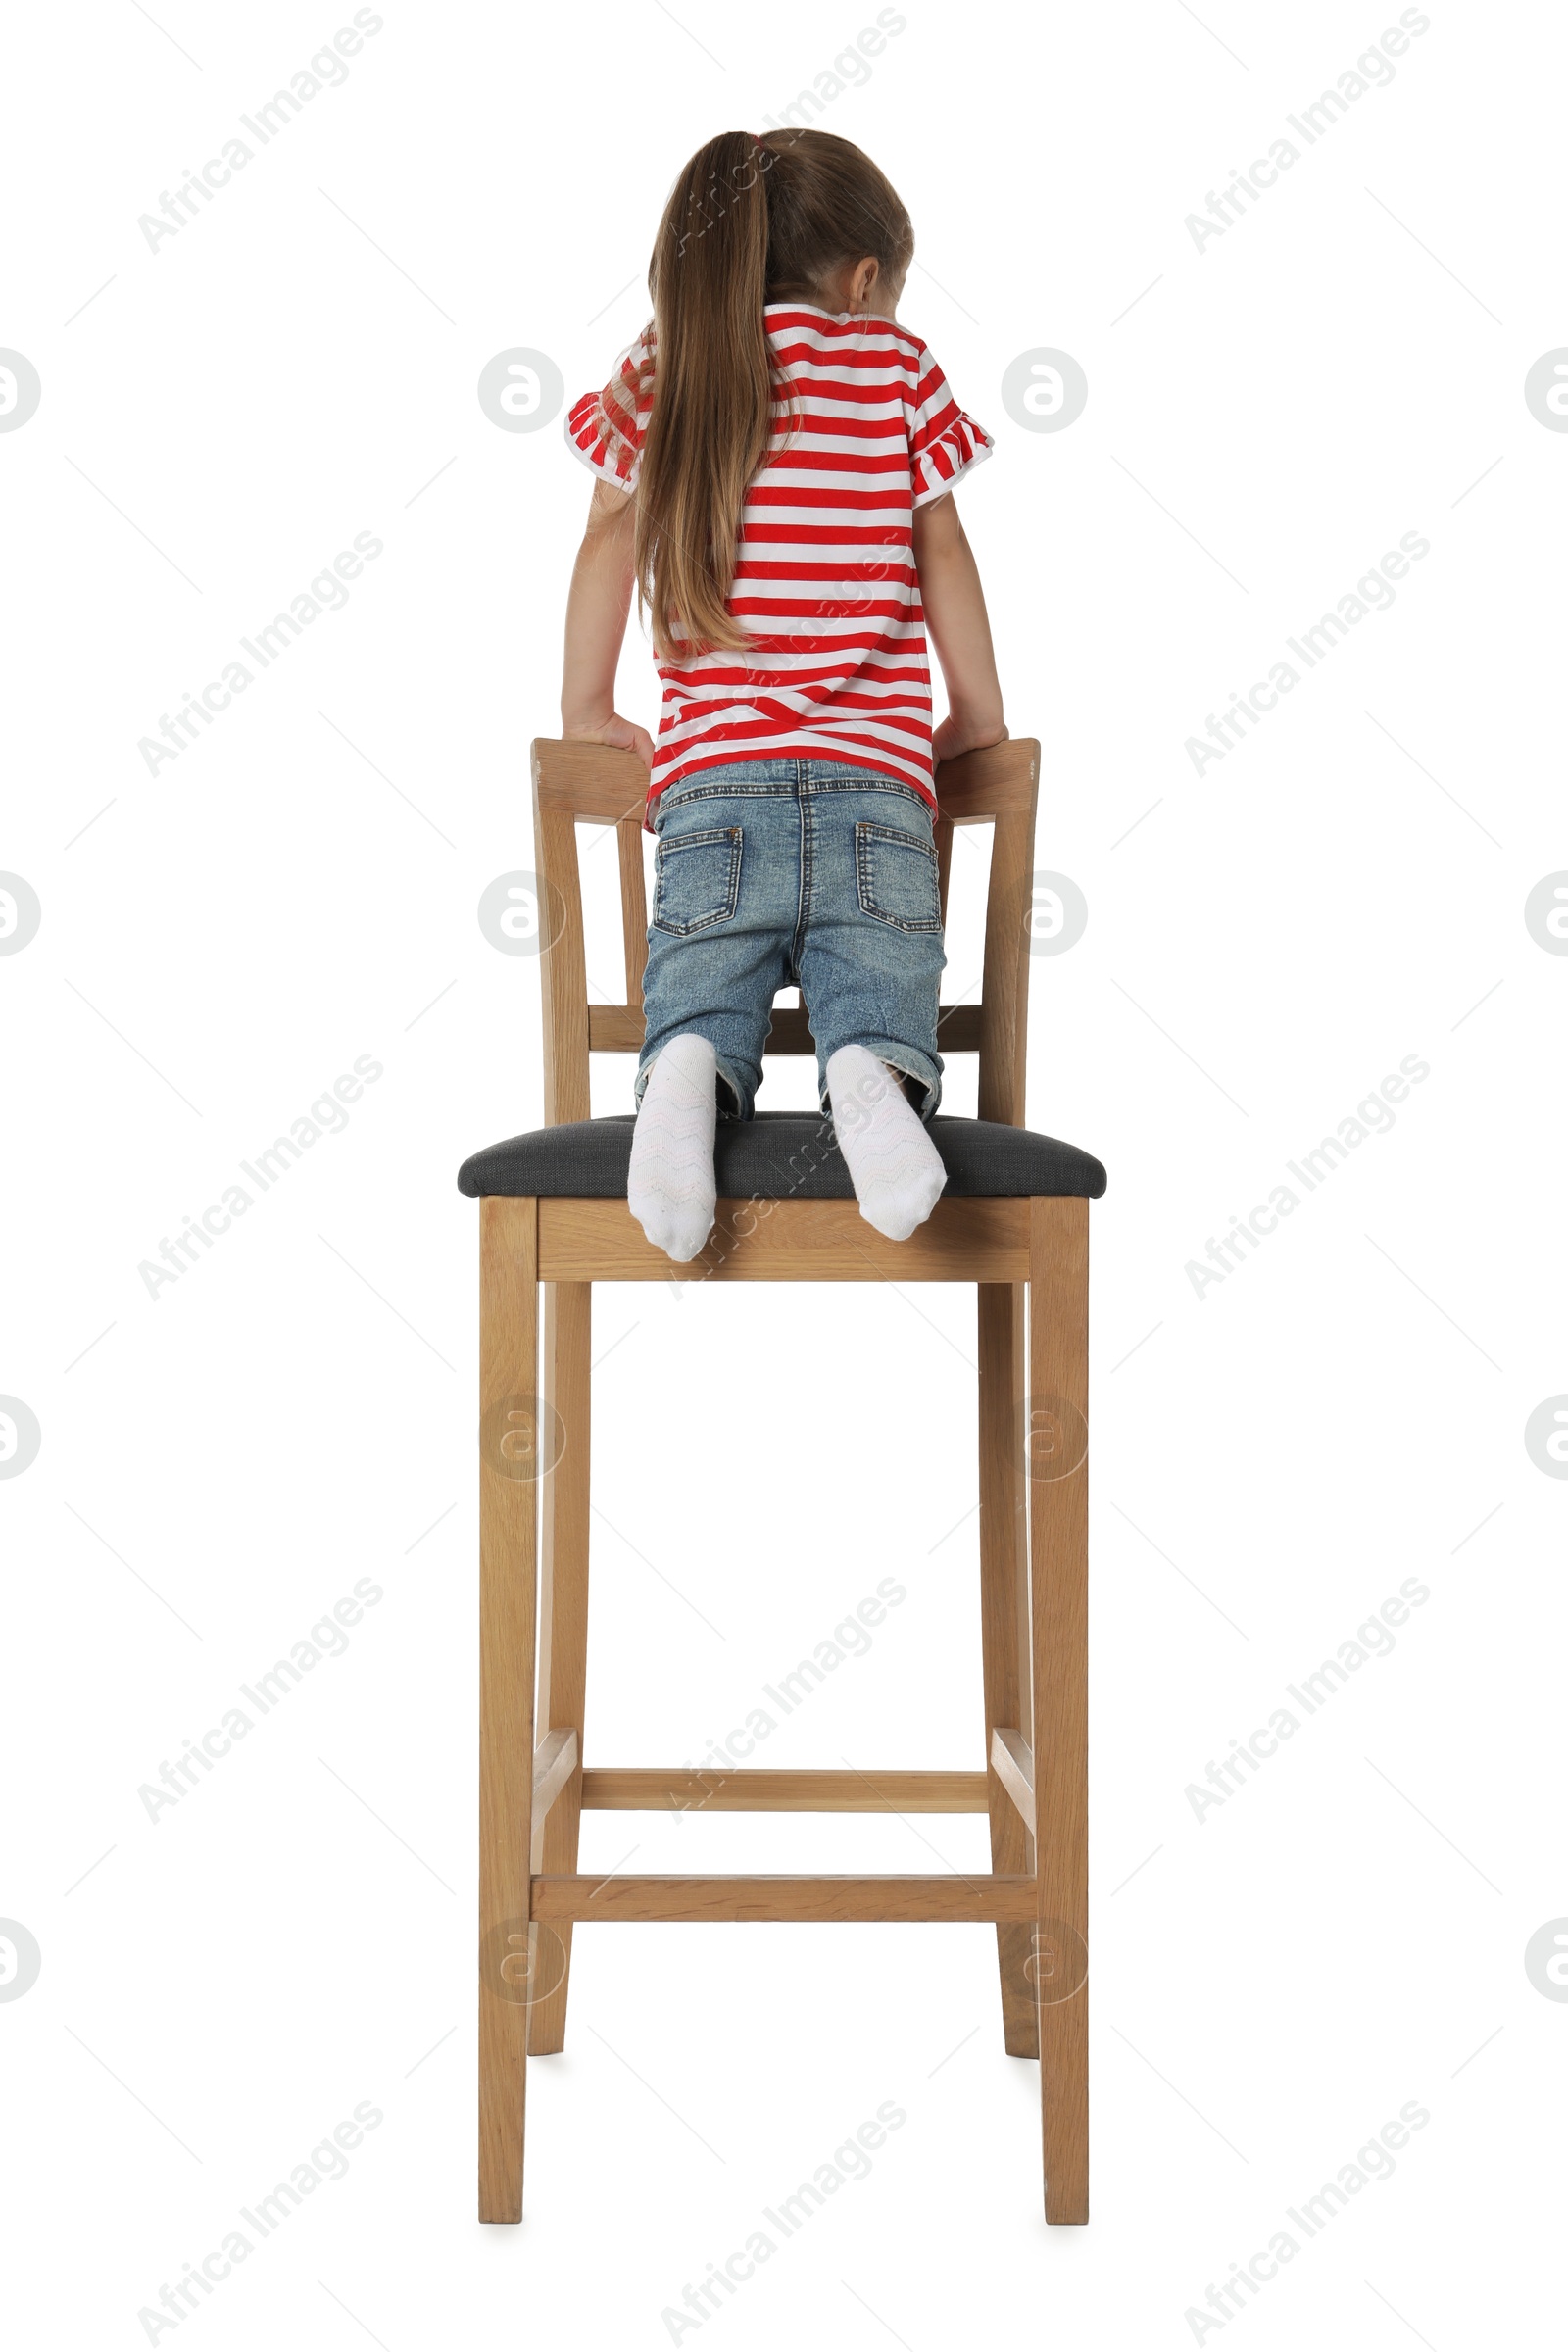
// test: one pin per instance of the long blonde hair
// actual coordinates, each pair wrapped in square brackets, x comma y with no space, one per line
[750,221]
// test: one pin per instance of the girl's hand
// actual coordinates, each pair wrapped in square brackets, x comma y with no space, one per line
[957,735]
[619,733]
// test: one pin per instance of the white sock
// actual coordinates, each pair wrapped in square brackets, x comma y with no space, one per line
[894,1165]
[670,1189]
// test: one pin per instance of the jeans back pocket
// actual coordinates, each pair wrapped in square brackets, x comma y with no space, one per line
[697,879]
[895,876]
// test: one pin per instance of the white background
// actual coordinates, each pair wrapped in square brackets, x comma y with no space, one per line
[222,1462]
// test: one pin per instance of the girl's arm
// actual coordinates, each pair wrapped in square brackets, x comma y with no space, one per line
[597,607]
[957,624]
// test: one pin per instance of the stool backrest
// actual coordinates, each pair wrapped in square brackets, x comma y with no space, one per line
[583,783]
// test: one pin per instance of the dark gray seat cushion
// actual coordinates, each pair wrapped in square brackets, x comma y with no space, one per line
[779,1155]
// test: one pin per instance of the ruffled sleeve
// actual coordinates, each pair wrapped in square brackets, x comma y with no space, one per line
[944,442]
[606,429]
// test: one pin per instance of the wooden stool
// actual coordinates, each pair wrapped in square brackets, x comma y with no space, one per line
[553,1213]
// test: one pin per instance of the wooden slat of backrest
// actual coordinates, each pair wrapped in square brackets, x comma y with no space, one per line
[572,781]
[563,971]
[996,782]
[633,906]
[604,787]
[618,1029]
[598,785]
[1005,988]
[942,834]
[1002,784]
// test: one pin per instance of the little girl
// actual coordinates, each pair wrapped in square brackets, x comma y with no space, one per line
[775,459]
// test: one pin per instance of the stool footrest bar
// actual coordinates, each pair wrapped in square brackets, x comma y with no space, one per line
[943,1896]
[616,1789]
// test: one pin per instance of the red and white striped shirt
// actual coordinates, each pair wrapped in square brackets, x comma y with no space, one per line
[864,432]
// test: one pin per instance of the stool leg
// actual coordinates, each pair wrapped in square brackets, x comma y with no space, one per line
[1005,1623]
[562,1629]
[511,1430]
[1059,1560]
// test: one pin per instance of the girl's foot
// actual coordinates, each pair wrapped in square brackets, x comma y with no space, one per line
[670,1189]
[895,1167]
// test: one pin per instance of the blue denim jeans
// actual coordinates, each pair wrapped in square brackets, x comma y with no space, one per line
[807,873]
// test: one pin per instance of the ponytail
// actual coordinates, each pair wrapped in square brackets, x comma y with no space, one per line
[713,398]
[748,221]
